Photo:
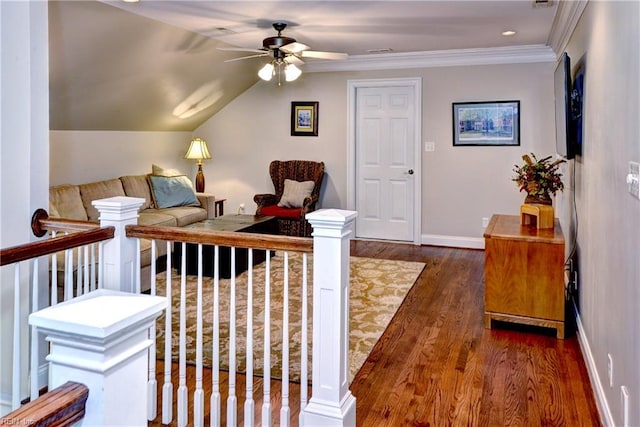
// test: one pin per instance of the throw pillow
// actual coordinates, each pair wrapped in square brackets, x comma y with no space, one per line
[160,171]
[171,191]
[294,193]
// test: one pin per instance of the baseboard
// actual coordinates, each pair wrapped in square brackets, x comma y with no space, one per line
[596,384]
[453,241]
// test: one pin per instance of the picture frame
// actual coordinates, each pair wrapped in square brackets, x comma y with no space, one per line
[491,123]
[304,118]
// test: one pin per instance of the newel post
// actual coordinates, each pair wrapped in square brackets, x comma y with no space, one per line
[119,253]
[101,339]
[331,403]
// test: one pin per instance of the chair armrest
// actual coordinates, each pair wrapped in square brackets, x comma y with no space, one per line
[207,201]
[263,200]
[309,204]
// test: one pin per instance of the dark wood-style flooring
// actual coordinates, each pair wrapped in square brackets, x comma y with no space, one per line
[436,364]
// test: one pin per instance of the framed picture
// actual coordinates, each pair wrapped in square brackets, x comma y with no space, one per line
[486,123]
[304,118]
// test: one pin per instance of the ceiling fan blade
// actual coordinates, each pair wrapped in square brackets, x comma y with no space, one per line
[247,57]
[240,49]
[294,47]
[323,55]
[293,59]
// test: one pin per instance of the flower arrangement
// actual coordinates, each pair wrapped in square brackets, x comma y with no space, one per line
[539,178]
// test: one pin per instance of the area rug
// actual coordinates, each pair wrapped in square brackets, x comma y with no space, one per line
[377,289]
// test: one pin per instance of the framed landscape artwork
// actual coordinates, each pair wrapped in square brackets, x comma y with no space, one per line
[304,118]
[486,123]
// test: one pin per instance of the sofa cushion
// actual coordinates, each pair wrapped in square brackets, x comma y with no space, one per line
[274,210]
[186,215]
[65,202]
[99,190]
[160,171]
[171,191]
[156,217]
[137,186]
[294,193]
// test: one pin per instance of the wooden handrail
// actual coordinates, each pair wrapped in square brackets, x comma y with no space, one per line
[57,244]
[221,238]
[63,406]
[41,223]
[61,224]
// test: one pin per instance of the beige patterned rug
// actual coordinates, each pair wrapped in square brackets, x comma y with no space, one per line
[378,287]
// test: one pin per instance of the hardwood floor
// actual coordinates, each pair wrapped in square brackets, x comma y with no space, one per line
[436,364]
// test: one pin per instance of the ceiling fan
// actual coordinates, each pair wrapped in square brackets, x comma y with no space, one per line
[286,53]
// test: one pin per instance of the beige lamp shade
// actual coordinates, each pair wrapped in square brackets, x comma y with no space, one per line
[198,150]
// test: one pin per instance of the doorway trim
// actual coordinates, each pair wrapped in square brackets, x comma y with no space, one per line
[416,84]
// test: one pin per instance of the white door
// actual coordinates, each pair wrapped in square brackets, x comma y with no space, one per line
[385,132]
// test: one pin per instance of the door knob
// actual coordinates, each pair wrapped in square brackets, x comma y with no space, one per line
[410,171]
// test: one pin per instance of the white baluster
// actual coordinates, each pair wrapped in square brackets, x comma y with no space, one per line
[152,383]
[249,405]
[86,269]
[136,271]
[17,353]
[266,384]
[93,267]
[167,387]
[79,270]
[304,344]
[68,274]
[54,275]
[231,399]
[215,369]
[183,400]
[34,335]
[284,409]
[198,394]
[100,265]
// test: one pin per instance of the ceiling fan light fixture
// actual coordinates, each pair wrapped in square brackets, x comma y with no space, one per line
[291,72]
[266,72]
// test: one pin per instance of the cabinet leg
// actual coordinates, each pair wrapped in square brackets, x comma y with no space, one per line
[560,331]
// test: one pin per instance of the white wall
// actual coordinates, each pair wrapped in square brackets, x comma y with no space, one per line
[461,185]
[24,150]
[606,41]
[79,157]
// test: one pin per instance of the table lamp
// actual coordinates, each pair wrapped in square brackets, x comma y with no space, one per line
[197,151]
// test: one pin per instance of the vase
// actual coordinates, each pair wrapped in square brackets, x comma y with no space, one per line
[539,199]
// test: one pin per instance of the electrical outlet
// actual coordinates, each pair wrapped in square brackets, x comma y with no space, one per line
[624,400]
[429,146]
[610,369]
[485,222]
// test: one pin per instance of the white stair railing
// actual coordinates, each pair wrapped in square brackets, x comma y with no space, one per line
[330,403]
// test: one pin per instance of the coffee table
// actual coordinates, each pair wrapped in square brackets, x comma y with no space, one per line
[240,223]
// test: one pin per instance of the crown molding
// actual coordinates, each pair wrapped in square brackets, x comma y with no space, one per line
[566,18]
[437,58]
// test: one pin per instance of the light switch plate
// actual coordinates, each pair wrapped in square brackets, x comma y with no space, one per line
[633,179]
[429,146]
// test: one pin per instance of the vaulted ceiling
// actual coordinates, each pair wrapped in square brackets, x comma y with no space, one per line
[156,66]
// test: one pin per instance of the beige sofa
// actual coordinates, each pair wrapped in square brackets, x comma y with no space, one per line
[74,202]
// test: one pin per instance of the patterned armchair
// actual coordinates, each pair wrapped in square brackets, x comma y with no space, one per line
[298,200]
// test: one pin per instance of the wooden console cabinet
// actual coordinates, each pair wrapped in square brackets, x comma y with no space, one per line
[524,273]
